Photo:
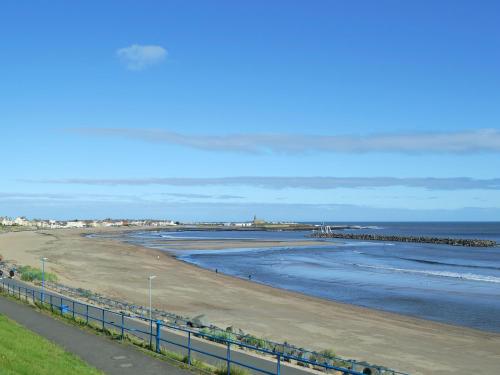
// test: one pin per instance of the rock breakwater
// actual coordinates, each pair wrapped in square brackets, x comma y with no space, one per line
[467,242]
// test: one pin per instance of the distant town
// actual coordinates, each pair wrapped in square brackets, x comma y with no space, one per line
[60,224]
[24,222]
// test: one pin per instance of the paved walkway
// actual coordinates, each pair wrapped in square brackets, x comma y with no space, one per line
[100,352]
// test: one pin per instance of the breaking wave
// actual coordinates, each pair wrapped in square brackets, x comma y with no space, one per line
[453,275]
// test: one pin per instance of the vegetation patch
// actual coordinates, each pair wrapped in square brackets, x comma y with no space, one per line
[233,370]
[22,352]
[31,274]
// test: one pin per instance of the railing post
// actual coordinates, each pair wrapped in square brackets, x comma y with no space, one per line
[158,332]
[51,305]
[151,334]
[228,356]
[19,290]
[33,294]
[73,309]
[102,320]
[123,319]
[87,314]
[189,347]
[278,365]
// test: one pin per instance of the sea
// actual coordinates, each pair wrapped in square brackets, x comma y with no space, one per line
[449,284]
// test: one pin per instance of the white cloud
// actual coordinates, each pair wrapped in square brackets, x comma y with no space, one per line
[320,183]
[464,142]
[139,57]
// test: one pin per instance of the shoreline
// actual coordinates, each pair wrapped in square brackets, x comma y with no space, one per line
[119,269]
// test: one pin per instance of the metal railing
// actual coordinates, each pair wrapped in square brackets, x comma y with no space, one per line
[167,336]
[301,355]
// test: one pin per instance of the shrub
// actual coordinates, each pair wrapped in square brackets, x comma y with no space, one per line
[217,336]
[254,341]
[29,273]
[84,292]
[328,353]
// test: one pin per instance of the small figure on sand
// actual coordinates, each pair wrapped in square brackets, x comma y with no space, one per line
[216,270]
[249,277]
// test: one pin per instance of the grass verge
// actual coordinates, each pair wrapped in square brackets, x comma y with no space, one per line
[174,358]
[23,352]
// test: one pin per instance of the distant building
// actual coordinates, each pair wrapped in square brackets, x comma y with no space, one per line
[6,221]
[258,221]
[21,221]
[75,224]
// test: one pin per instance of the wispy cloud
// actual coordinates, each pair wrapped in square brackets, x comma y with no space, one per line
[203,196]
[429,183]
[13,196]
[238,211]
[139,57]
[466,142]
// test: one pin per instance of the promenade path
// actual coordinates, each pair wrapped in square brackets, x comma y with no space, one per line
[171,340]
[109,356]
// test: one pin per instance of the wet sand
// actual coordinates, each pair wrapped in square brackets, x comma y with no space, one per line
[120,270]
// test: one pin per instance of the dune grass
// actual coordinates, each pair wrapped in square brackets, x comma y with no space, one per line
[23,352]
[31,274]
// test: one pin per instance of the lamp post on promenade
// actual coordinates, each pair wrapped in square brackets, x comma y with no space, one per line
[150,313]
[150,304]
[43,278]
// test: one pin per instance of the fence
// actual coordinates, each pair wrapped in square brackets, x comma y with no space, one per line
[240,337]
[194,344]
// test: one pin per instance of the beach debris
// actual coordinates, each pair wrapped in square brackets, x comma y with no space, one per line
[198,322]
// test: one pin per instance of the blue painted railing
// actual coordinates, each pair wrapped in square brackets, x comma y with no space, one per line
[134,325]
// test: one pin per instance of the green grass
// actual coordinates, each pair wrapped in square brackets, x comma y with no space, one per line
[22,352]
[31,274]
[234,370]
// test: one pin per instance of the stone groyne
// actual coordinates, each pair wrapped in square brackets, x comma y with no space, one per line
[434,240]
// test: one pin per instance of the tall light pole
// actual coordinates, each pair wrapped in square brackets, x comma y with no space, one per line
[150,304]
[43,277]
[150,313]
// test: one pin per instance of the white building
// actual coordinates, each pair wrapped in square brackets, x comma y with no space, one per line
[21,221]
[75,224]
[6,221]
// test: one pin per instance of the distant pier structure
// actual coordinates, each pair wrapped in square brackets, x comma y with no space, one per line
[326,231]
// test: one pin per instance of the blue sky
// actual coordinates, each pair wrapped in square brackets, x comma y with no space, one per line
[325,110]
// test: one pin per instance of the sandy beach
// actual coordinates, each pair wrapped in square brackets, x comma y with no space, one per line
[120,270]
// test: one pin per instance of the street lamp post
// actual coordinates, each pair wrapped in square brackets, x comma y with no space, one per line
[150,304]
[150,313]
[43,278]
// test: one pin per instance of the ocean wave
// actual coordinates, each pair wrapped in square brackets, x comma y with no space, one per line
[424,261]
[454,275]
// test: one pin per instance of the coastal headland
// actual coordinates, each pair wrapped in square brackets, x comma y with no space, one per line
[120,270]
